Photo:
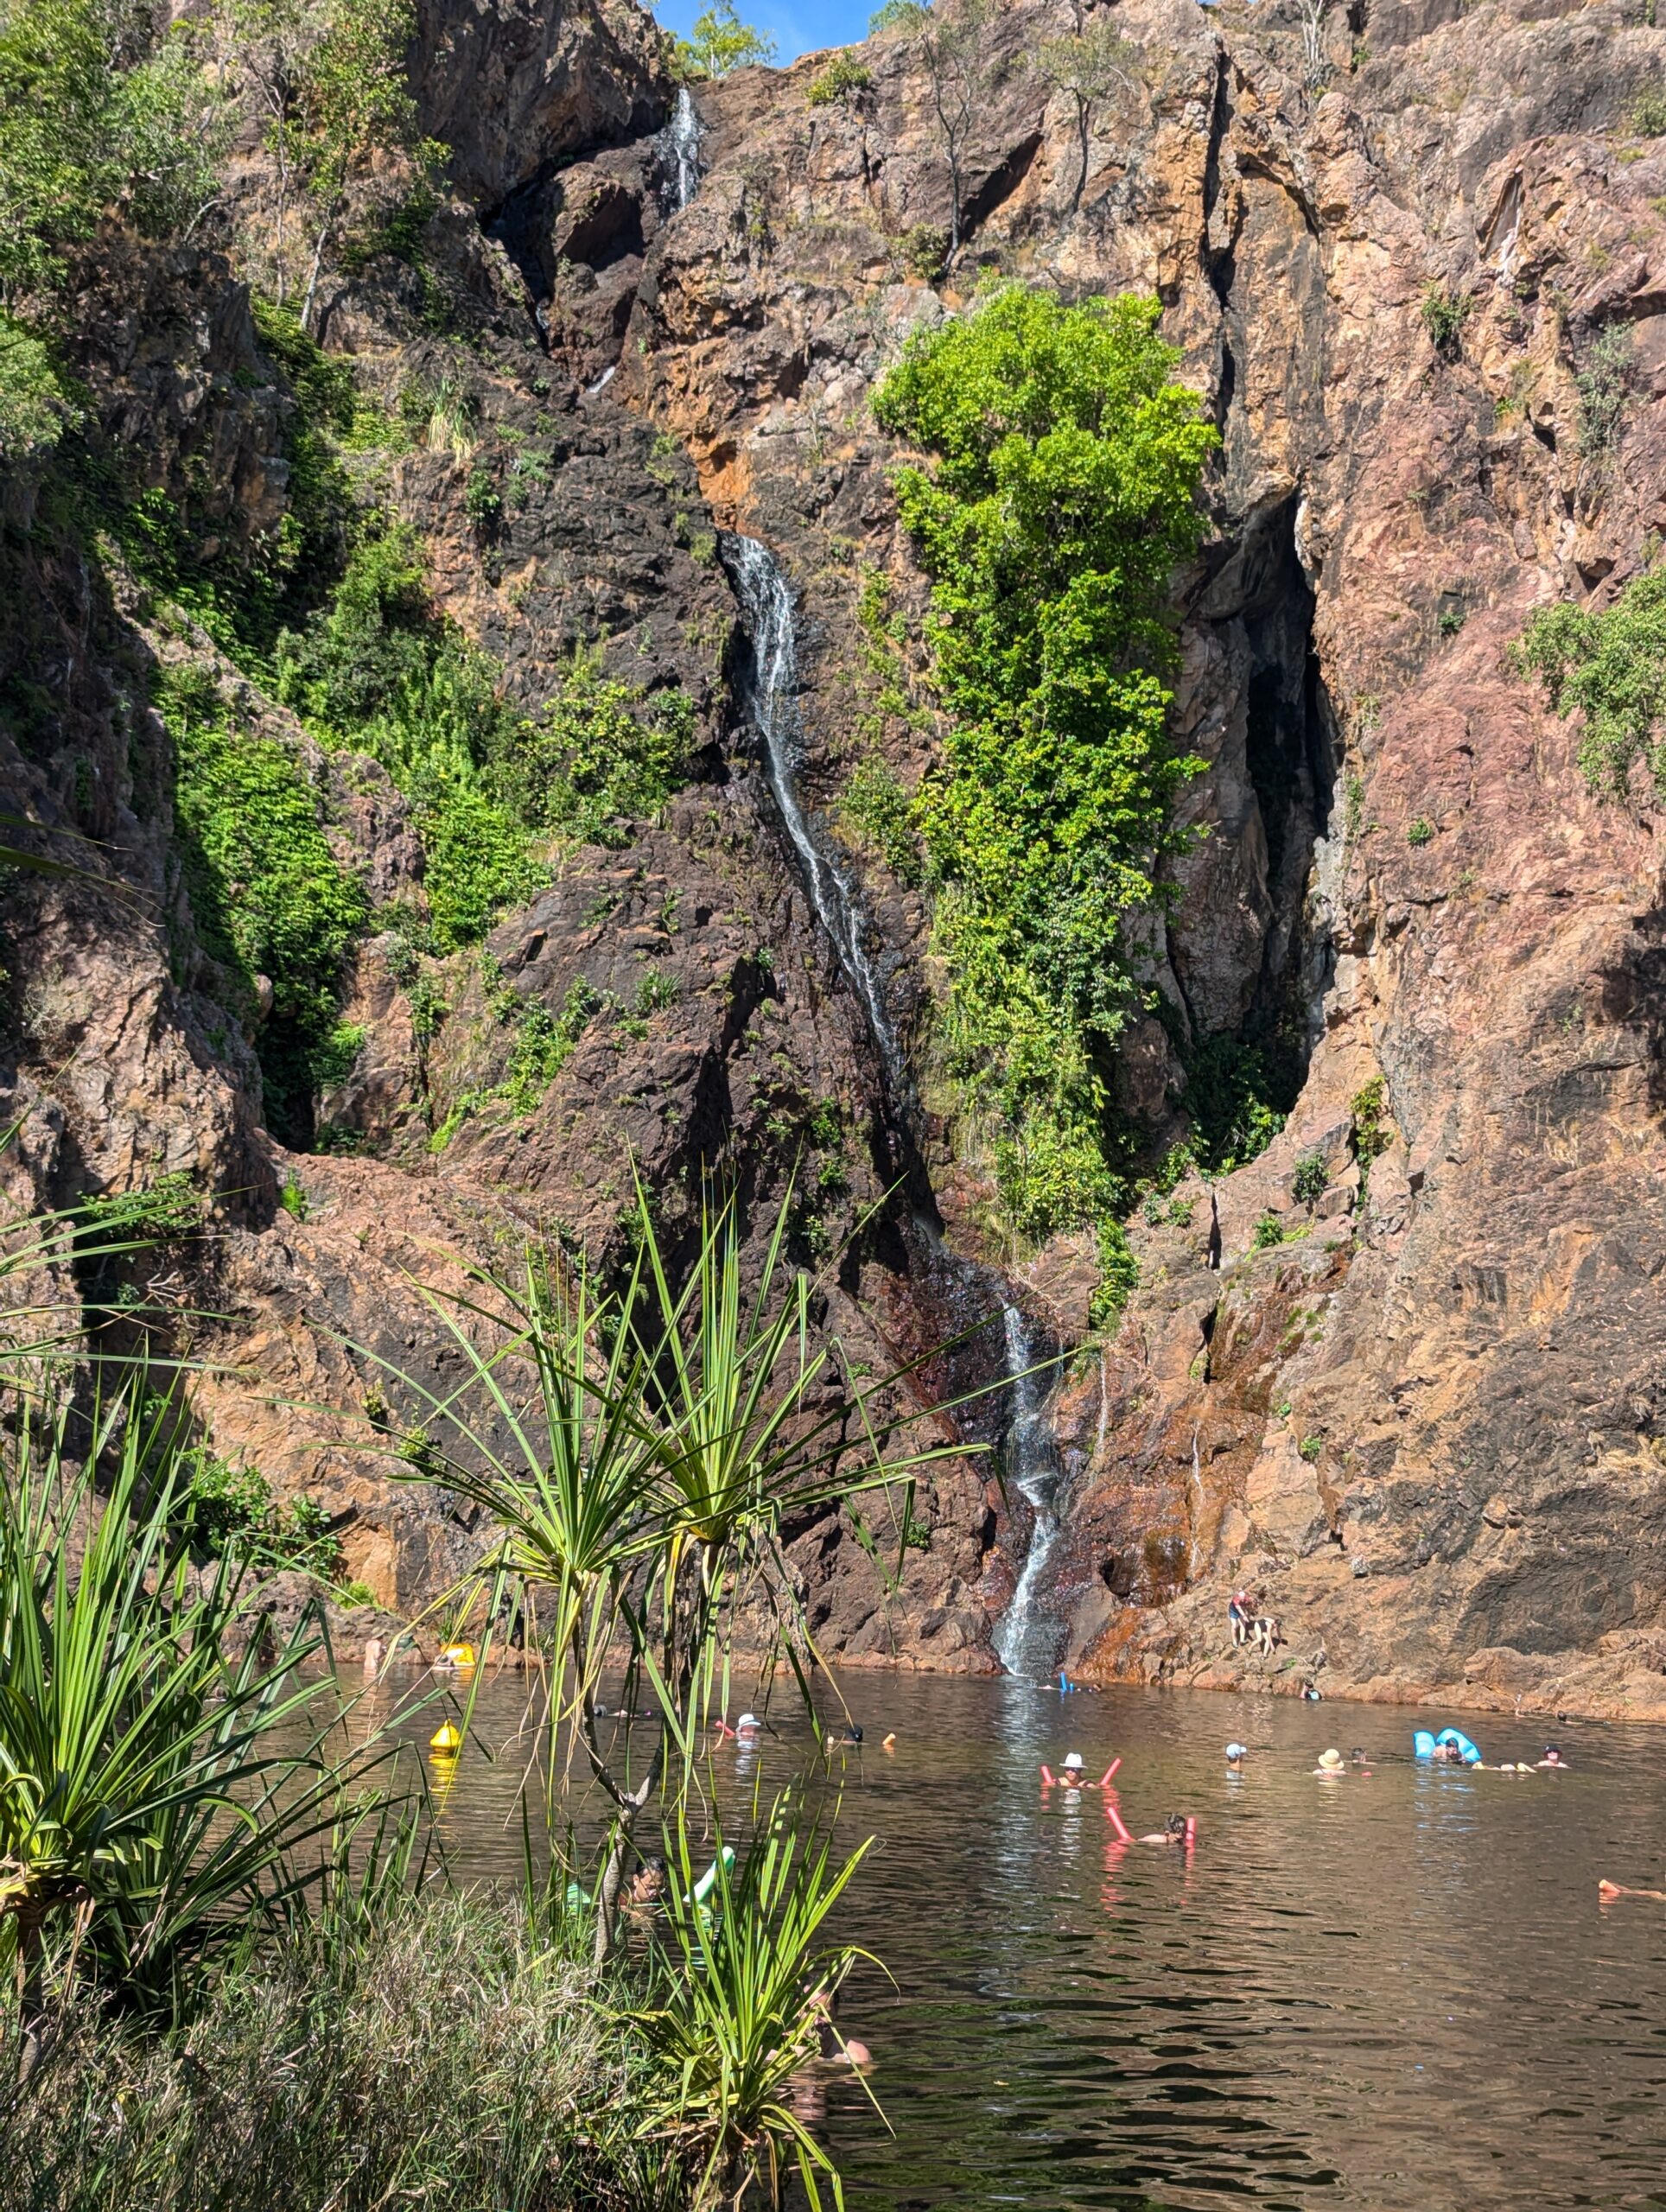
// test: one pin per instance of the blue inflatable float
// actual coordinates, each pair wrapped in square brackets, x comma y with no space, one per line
[1423,1745]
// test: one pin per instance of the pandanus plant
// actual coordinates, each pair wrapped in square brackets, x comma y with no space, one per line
[160,1775]
[745,1994]
[642,1452]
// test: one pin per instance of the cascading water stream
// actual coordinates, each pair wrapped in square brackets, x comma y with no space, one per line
[682,140]
[1027,1639]
[766,605]
[1027,1642]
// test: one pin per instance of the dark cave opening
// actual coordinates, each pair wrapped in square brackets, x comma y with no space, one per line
[1258,600]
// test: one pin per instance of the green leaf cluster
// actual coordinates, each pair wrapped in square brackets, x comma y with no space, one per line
[268,896]
[1058,498]
[99,111]
[377,670]
[875,811]
[1609,665]
[842,77]
[720,42]
[36,405]
[600,758]
[231,1512]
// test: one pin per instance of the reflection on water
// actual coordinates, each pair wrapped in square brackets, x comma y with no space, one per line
[1396,1992]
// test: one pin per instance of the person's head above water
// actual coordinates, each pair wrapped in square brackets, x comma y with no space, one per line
[1072,1763]
[749,1720]
[1236,1754]
[1330,1762]
[1175,1824]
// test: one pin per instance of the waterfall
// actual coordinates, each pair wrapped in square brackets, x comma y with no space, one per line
[766,606]
[1027,1643]
[680,140]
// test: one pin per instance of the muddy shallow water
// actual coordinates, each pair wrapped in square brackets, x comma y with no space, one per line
[1398,1993]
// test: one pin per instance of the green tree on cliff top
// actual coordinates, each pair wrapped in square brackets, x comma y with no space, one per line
[720,41]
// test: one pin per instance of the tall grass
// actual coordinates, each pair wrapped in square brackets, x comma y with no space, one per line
[447,2055]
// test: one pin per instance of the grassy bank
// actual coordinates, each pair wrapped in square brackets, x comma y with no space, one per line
[447,2052]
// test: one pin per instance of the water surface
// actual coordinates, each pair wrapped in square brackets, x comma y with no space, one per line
[1398,1992]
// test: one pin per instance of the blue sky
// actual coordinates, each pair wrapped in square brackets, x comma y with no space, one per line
[797,26]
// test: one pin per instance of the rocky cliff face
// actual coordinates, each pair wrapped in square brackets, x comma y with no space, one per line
[1401,1373]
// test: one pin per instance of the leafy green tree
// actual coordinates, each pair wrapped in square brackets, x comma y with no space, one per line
[720,41]
[100,115]
[1059,497]
[34,409]
[97,114]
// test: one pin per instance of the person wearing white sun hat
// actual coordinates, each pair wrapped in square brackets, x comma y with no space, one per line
[1331,1766]
[1236,1756]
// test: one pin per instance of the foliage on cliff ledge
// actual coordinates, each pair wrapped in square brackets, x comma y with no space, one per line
[1059,497]
[1610,666]
[110,111]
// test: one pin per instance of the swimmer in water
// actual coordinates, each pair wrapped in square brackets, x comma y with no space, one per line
[1236,1756]
[646,1886]
[1172,1831]
[1607,1889]
[1071,1773]
[1331,1766]
[1553,1758]
[1310,1693]
[836,2050]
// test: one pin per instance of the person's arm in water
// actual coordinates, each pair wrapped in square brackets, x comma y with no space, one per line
[1605,1890]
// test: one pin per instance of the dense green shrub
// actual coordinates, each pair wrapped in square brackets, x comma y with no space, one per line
[1421,831]
[1371,1127]
[875,811]
[543,1044]
[99,110]
[1238,1094]
[233,1513]
[36,404]
[1444,315]
[924,248]
[1649,112]
[1119,1276]
[160,1213]
[378,671]
[1609,665]
[1307,1184]
[1059,497]
[601,757]
[1604,384]
[843,76]
[267,893]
